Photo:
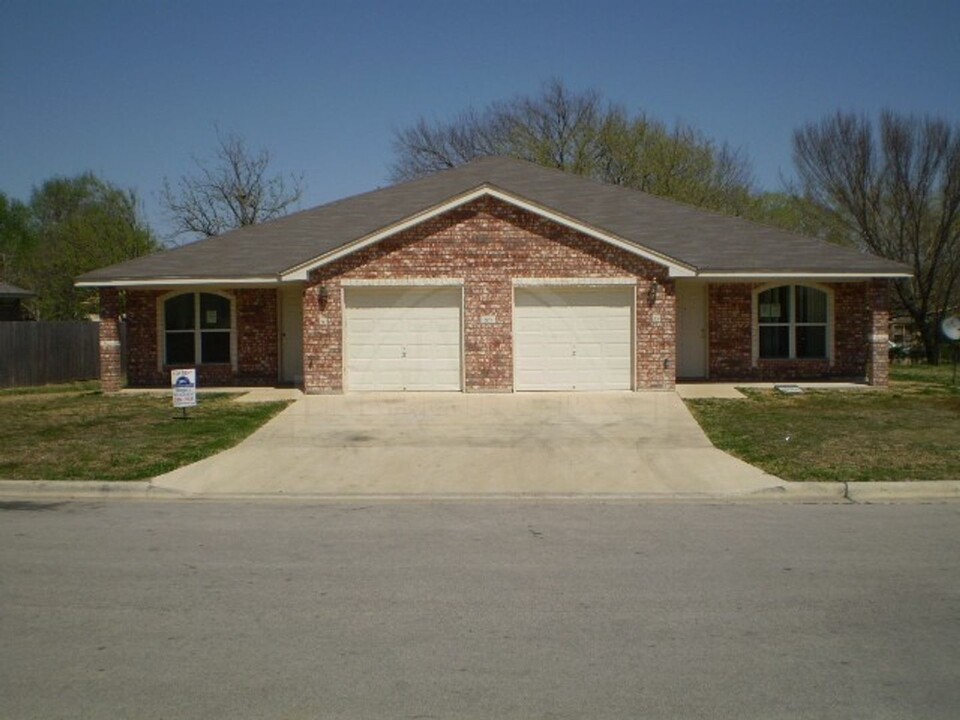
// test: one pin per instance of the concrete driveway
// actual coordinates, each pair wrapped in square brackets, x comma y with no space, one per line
[476,444]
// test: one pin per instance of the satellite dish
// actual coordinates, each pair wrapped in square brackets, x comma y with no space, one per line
[951,327]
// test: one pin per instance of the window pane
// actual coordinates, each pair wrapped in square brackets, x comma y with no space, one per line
[812,341]
[215,347]
[774,341]
[178,312]
[773,305]
[180,348]
[214,312]
[811,305]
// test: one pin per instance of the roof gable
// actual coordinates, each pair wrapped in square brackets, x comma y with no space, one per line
[302,271]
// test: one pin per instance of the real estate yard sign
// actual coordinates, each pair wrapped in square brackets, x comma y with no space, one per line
[184,384]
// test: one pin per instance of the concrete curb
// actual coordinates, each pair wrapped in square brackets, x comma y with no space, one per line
[918,491]
[824,492]
[83,489]
[646,498]
[799,492]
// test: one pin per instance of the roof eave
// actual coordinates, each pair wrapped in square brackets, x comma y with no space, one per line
[162,282]
[754,275]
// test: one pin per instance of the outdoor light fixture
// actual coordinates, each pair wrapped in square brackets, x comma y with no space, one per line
[652,293]
[323,293]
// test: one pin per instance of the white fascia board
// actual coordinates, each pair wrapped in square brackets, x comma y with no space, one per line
[302,271]
[182,282]
[800,275]
[403,282]
[574,281]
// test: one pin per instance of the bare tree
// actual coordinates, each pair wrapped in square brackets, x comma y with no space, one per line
[898,194]
[228,192]
[557,129]
[575,132]
[424,149]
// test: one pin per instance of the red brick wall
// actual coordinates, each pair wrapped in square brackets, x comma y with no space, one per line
[256,340]
[487,243]
[257,337]
[142,339]
[111,374]
[860,314]
[878,308]
[729,313]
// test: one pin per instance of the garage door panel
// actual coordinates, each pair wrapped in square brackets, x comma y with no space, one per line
[573,338]
[402,339]
[591,351]
[433,355]
[611,326]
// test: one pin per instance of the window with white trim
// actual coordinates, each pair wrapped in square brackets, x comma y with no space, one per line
[197,328]
[792,322]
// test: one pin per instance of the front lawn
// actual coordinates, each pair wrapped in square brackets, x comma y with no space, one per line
[909,432]
[78,433]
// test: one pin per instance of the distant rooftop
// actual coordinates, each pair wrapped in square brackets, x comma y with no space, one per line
[12,291]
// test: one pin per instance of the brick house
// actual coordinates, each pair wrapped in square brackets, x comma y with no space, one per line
[498,276]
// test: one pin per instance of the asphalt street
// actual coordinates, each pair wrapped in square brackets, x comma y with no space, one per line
[198,609]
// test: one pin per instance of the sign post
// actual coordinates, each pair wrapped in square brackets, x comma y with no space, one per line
[184,384]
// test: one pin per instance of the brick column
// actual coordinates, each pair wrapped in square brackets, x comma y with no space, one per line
[656,334]
[322,338]
[878,362]
[111,373]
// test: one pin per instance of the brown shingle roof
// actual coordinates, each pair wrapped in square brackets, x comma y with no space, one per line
[703,240]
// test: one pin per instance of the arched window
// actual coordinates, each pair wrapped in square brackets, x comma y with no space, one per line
[197,329]
[792,322]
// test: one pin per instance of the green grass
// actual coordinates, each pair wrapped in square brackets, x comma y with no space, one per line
[909,432]
[80,386]
[935,378]
[66,433]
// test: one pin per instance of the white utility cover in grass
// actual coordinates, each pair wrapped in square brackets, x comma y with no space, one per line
[402,339]
[573,338]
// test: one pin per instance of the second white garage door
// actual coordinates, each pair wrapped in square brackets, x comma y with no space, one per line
[573,338]
[402,339]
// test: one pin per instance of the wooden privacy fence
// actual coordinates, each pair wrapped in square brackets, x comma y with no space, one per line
[37,353]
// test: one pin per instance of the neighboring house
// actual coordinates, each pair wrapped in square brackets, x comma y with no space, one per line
[497,276]
[903,331]
[11,302]
[905,334]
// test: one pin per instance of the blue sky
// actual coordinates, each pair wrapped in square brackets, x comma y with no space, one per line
[133,89]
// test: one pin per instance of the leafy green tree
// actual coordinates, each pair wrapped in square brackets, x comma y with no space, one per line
[577,132]
[17,239]
[680,162]
[789,210]
[895,191]
[78,224]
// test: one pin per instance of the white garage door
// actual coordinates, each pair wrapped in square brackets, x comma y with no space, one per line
[402,338]
[573,338]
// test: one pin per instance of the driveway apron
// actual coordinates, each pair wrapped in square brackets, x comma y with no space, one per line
[440,444]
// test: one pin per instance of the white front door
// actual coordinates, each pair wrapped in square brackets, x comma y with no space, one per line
[573,338]
[691,330]
[291,335]
[402,339]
